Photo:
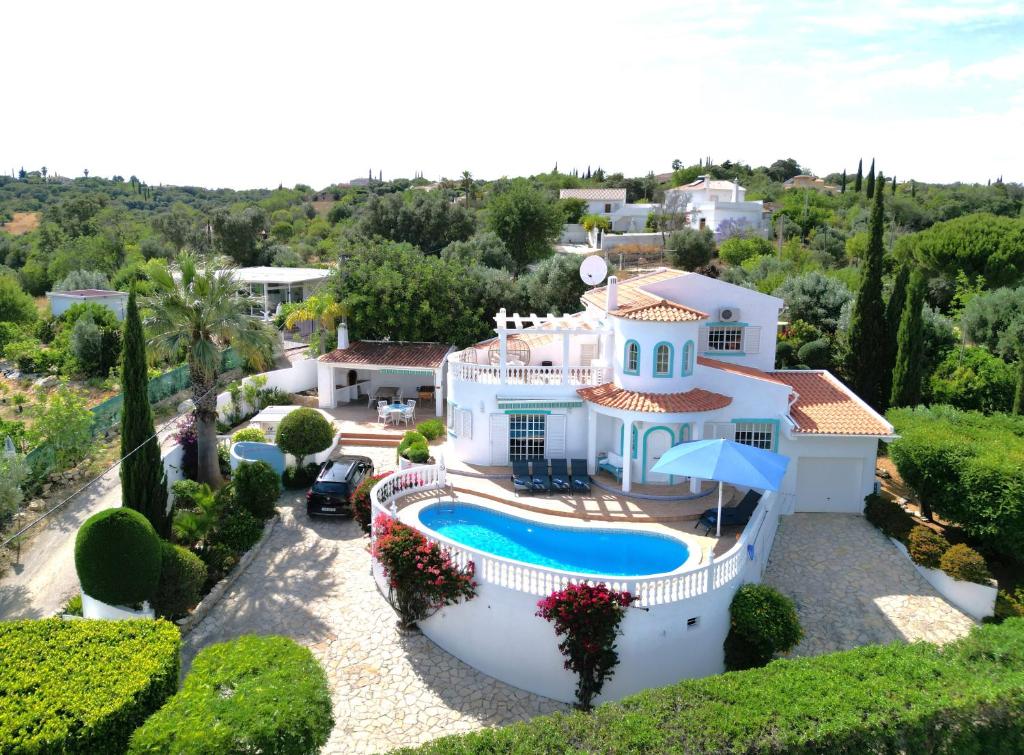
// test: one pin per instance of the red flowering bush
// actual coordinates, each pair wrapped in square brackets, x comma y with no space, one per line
[588,616]
[420,573]
[362,509]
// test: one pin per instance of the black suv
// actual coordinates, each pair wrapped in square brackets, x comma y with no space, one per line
[334,486]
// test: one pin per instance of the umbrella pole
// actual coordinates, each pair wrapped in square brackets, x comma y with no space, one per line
[718,520]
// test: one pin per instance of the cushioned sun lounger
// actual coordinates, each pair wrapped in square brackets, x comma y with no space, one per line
[731,515]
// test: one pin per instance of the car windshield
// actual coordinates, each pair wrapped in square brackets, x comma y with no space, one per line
[336,488]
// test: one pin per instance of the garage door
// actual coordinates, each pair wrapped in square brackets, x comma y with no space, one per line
[829,484]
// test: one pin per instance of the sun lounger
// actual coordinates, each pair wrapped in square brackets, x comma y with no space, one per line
[521,477]
[732,515]
[579,479]
[560,475]
[540,480]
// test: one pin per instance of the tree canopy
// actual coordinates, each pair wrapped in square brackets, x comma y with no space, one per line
[527,221]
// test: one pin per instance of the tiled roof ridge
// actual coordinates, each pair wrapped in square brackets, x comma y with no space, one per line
[741,369]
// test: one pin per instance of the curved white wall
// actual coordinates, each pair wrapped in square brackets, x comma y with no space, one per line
[648,335]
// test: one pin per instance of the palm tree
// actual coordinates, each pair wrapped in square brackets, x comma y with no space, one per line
[320,309]
[198,316]
[467,186]
[191,527]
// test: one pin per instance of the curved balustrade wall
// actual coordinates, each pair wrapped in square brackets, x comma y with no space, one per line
[675,631]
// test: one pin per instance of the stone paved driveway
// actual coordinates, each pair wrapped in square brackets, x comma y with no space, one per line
[312,583]
[852,587]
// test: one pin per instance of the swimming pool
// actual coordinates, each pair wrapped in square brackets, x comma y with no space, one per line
[614,553]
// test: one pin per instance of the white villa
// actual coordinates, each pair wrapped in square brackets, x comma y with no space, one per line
[611,203]
[273,286]
[710,203]
[651,362]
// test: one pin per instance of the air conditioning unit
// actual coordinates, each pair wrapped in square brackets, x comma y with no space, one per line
[729,314]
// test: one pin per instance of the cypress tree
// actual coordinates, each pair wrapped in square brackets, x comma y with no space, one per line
[867,323]
[907,374]
[894,184]
[893,314]
[860,176]
[913,189]
[871,179]
[1018,396]
[842,183]
[143,483]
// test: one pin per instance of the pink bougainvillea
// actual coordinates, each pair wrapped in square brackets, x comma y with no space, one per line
[587,617]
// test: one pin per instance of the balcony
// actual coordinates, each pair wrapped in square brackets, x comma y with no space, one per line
[572,375]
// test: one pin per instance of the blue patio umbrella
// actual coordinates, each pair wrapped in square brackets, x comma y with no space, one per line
[724,461]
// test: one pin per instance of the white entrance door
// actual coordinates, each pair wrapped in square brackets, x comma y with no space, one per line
[830,485]
[498,427]
[657,440]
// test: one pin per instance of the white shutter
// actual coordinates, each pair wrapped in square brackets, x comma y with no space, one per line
[588,353]
[752,339]
[554,437]
[452,418]
[465,423]
[725,430]
[499,439]
[704,339]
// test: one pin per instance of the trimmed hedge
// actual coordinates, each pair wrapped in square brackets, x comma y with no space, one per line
[296,478]
[763,622]
[82,686]
[964,563]
[966,697]
[926,546]
[253,694]
[257,487]
[251,434]
[182,576]
[889,517]
[431,429]
[117,557]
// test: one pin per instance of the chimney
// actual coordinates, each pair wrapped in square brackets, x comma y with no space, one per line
[613,294]
[343,335]
[735,191]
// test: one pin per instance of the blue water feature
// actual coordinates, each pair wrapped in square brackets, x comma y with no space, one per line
[613,553]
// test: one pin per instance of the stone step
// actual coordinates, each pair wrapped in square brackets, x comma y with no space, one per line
[370,439]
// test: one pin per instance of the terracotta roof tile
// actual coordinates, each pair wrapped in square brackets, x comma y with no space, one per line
[826,406]
[390,354]
[631,293]
[739,369]
[695,400]
[660,311]
[610,195]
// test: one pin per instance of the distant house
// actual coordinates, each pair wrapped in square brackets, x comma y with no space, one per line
[61,301]
[611,203]
[810,182]
[279,285]
[708,203]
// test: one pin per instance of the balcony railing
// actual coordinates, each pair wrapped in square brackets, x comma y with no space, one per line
[577,375]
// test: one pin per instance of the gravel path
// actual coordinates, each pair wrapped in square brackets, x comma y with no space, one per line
[852,587]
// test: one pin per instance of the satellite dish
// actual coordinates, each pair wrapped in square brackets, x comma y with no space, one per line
[593,270]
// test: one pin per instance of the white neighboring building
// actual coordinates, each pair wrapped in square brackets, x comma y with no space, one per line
[651,362]
[611,203]
[61,301]
[279,285]
[709,202]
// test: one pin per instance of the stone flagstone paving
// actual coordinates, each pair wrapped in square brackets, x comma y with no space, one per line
[852,587]
[312,583]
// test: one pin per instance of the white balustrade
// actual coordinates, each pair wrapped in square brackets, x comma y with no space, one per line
[650,591]
[578,375]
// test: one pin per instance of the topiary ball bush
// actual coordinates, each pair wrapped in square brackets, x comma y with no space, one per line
[417,453]
[252,694]
[763,622]
[431,429]
[252,434]
[926,546]
[257,487]
[966,564]
[817,355]
[182,576]
[118,557]
[304,432]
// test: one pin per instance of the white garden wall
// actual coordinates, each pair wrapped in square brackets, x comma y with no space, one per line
[301,376]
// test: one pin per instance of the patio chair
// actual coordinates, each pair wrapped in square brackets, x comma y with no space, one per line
[580,479]
[540,480]
[383,412]
[409,412]
[521,476]
[737,515]
[560,475]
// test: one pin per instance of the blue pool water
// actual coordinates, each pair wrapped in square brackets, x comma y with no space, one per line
[615,553]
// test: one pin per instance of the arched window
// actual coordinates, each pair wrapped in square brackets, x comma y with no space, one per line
[663,360]
[631,361]
[688,350]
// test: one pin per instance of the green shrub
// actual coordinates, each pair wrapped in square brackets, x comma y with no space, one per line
[889,517]
[304,432]
[250,695]
[185,493]
[252,434]
[73,606]
[220,559]
[966,697]
[82,686]
[410,437]
[237,529]
[117,557]
[182,576]
[431,429]
[257,487]
[763,622]
[926,546]
[964,563]
[295,478]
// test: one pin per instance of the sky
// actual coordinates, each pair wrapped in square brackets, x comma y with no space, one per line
[257,94]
